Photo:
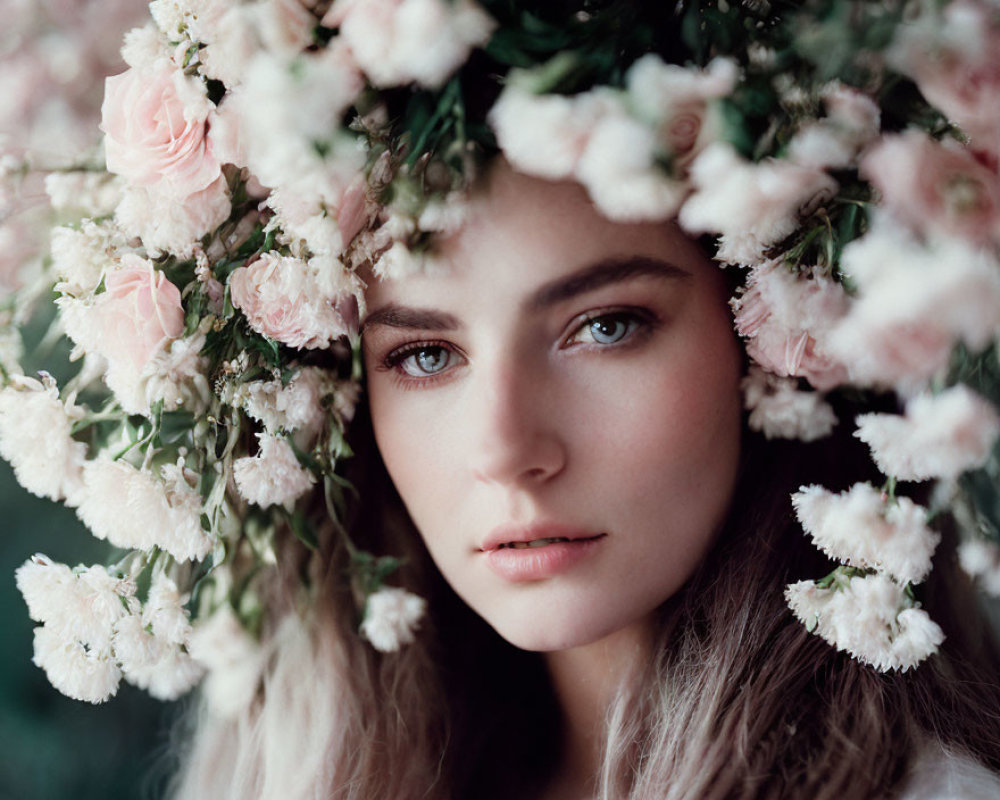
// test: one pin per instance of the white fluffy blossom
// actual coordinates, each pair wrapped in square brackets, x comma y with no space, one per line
[851,122]
[282,408]
[273,476]
[780,411]
[862,528]
[403,41]
[132,508]
[93,193]
[162,668]
[36,438]
[751,205]
[870,617]
[981,559]
[174,375]
[940,436]
[915,301]
[80,257]
[392,615]
[74,670]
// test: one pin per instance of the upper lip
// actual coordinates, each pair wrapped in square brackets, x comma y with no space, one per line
[505,534]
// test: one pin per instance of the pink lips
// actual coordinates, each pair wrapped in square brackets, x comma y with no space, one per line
[518,564]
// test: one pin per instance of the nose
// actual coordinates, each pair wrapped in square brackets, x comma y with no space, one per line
[516,437]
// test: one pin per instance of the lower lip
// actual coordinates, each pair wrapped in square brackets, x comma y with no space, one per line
[537,563]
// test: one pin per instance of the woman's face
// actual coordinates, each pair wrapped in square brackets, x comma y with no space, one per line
[558,408]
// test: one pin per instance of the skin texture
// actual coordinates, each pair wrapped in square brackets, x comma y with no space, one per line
[518,409]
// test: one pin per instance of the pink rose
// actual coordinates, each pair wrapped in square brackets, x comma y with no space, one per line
[934,186]
[156,123]
[952,58]
[139,311]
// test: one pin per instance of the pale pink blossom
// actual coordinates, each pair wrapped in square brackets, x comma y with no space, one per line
[273,476]
[863,528]
[403,41]
[752,206]
[868,617]
[81,256]
[392,616]
[786,317]
[851,122]
[294,301]
[951,54]
[935,186]
[140,311]
[153,663]
[175,376]
[780,411]
[916,301]
[156,123]
[940,436]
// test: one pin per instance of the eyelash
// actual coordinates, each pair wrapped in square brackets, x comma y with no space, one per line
[643,320]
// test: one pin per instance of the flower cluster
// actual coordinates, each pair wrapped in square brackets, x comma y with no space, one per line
[258,153]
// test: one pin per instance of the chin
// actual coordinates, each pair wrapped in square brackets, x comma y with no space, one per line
[547,633]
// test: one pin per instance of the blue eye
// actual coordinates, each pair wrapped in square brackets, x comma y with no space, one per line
[606,329]
[423,361]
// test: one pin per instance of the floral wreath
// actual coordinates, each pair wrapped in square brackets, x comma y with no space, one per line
[841,155]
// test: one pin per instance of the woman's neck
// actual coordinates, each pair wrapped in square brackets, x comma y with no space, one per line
[585,680]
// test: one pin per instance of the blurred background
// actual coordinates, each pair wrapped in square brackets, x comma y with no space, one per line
[54,55]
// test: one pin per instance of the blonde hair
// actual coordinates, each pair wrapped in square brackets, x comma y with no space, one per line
[739,702]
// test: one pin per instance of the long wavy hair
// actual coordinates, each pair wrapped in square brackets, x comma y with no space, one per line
[739,700]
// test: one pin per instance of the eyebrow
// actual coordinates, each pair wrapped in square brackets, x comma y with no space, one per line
[590,278]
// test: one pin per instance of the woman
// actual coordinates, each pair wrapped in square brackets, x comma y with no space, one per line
[500,200]
[556,377]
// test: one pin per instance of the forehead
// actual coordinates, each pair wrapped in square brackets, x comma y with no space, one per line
[521,233]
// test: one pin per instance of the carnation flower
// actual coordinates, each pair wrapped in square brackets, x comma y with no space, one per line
[174,376]
[131,508]
[293,301]
[74,670]
[751,205]
[851,122]
[81,257]
[780,411]
[281,408]
[862,528]
[273,476]
[786,318]
[403,41]
[915,301]
[36,438]
[152,663]
[95,194]
[156,121]
[940,436]
[870,617]
[935,186]
[392,615]
[981,560]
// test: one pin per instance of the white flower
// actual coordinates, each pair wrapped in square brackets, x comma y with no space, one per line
[175,374]
[915,301]
[11,351]
[283,408]
[399,41]
[74,670]
[94,193]
[870,617]
[861,528]
[398,262]
[751,205]
[164,612]
[391,617]
[36,438]
[780,411]
[981,559]
[620,171]
[940,436]
[81,257]
[273,476]
[851,122]
[232,657]
[131,508]
[152,663]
